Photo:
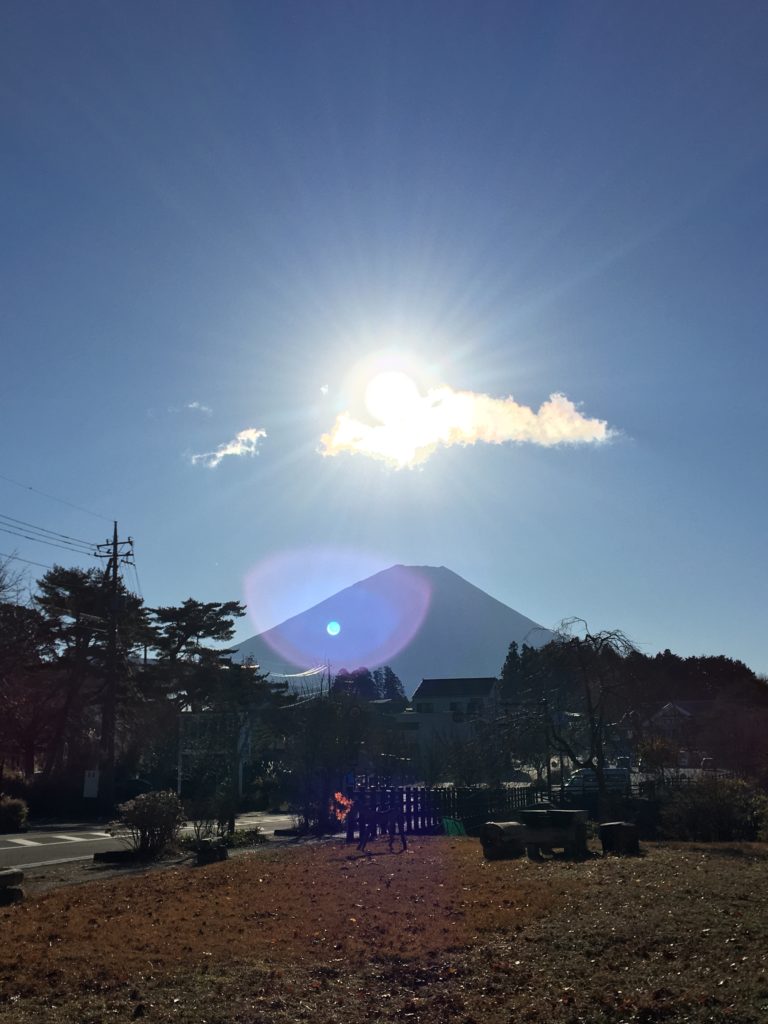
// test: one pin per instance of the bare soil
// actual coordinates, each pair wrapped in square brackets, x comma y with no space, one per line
[323,933]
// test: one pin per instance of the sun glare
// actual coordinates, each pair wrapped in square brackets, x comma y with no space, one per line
[410,417]
[391,396]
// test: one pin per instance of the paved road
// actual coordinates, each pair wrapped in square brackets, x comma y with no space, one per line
[48,847]
[80,841]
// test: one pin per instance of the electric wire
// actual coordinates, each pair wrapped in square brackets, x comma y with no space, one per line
[8,524]
[18,523]
[64,547]
[138,582]
[16,558]
[62,501]
[71,612]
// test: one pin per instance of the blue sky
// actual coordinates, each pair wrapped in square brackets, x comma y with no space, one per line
[226,217]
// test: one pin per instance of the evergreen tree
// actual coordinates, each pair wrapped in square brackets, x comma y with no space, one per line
[76,606]
[188,666]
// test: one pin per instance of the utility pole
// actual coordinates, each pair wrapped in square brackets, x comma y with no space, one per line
[116,551]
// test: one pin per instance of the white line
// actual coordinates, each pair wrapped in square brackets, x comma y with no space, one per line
[51,863]
[22,842]
[71,839]
[49,846]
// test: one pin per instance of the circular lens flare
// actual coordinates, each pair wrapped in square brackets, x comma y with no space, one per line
[381,613]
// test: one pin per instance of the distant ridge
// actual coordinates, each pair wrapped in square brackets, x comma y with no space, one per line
[424,621]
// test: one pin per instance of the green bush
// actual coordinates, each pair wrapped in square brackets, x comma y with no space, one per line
[13,814]
[153,821]
[717,809]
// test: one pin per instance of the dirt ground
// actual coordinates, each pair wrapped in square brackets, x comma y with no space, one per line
[323,933]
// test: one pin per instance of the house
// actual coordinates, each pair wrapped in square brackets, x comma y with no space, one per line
[444,710]
[460,698]
[681,721]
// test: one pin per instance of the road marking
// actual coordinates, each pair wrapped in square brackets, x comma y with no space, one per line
[49,846]
[53,863]
[86,837]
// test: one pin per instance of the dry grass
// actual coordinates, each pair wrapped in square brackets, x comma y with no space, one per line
[324,934]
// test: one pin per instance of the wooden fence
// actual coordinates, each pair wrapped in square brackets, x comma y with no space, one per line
[423,809]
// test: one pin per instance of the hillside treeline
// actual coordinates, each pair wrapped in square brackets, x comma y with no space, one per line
[602,698]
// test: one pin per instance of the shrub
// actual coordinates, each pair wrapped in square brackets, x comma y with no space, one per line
[241,839]
[212,813]
[154,821]
[201,814]
[13,814]
[719,809]
[245,838]
[14,784]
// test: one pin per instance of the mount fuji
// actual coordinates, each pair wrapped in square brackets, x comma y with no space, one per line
[423,621]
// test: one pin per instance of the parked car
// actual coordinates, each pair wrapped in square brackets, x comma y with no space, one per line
[583,782]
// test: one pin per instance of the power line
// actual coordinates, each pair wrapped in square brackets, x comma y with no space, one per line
[80,549]
[17,559]
[75,613]
[45,530]
[61,501]
[50,543]
[136,574]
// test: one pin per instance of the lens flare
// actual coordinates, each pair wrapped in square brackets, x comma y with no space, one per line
[381,613]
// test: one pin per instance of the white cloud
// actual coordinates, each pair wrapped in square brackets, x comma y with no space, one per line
[411,434]
[206,410]
[244,443]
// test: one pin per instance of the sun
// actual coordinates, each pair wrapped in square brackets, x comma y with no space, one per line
[392,396]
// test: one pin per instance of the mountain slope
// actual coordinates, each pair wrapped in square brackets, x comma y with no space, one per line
[424,621]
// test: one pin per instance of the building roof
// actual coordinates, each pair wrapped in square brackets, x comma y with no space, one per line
[448,688]
[686,708]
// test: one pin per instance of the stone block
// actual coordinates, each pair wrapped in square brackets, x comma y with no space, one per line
[620,837]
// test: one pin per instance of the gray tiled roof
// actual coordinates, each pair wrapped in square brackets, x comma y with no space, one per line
[446,688]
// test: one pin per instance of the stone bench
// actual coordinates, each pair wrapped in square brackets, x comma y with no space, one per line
[210,851]
[11,881]
[539,831]
[620,837]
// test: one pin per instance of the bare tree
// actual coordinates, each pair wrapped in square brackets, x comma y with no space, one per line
[12,581]
[596,663]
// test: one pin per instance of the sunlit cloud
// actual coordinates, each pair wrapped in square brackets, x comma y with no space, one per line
[244,443]
[412,426]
